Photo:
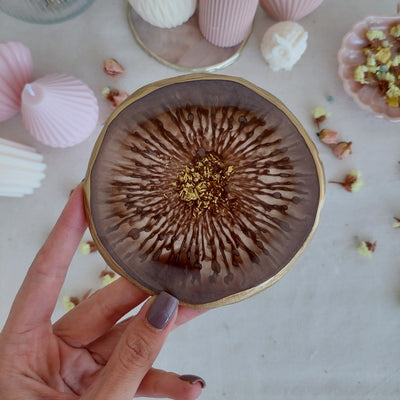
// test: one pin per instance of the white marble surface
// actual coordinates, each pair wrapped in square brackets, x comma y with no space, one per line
[330,328]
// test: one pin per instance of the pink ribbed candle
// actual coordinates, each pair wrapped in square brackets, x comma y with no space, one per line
[15,71]
[289,10]
[59,110]
[226,23]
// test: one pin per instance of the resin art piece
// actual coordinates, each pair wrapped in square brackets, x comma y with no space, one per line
[204,186]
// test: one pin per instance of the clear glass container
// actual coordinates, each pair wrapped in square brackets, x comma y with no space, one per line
[44,11]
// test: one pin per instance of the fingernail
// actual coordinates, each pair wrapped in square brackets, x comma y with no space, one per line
[193,379]
[162,310]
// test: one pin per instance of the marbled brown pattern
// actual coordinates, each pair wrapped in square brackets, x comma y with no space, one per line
[153,234]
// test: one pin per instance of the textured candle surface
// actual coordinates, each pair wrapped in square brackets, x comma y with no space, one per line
[15,72]
[289,10]
[59,110]
[226,23]
[164,13]
[21,169]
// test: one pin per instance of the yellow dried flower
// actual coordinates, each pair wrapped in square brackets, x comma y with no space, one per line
[68,303]
[397,223]
[352,182]
[366,248]
[375,34]
[108,277]
[395,31]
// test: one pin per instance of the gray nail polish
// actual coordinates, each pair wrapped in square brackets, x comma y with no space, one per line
[162,310]
[193,379]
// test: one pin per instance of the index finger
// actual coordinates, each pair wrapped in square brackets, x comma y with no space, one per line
[37,297]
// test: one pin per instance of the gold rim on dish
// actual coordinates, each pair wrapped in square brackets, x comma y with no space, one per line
[150,88]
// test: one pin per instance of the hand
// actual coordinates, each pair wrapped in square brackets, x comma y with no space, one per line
[86,354]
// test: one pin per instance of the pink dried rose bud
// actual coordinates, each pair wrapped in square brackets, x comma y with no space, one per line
[119,98]
[342,150]
[328,136]
[112,67]
[114,96]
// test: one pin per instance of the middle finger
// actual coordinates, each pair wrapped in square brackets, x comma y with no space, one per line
[102,348]
[95,316]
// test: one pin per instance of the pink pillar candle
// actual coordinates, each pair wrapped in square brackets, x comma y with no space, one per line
[226,23]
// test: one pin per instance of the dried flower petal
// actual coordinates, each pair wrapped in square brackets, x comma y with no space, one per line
[342,150]
[352,182]
[328,136]
[397,223]
[366,248]
[112,67]
[87,247]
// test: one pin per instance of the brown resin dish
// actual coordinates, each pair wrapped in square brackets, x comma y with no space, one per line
[205,186]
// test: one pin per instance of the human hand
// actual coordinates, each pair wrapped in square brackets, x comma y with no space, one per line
[86,355]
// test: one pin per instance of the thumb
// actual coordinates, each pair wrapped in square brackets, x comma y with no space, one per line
[136,351]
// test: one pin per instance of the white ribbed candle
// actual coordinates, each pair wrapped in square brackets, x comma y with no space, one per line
[226,23]
[21,169]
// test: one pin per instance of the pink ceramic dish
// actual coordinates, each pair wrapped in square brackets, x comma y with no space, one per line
[350,56]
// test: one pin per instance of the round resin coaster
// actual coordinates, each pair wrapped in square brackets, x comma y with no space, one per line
[182,47]
[204,186]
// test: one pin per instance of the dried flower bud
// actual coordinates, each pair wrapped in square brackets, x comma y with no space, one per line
[366,248]
[342,150]
[114,96]
[319,115]
[352,182]
[397,223]
[119,98]
[87,247]
[112,67]
[108,277]
[328,136]
[70,302]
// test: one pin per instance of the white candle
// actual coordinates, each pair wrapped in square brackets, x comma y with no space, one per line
[21,169]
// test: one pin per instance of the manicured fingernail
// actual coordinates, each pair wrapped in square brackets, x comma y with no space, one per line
[162,310]
[193,379]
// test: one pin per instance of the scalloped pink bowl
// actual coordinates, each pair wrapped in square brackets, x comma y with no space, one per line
[350,56]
